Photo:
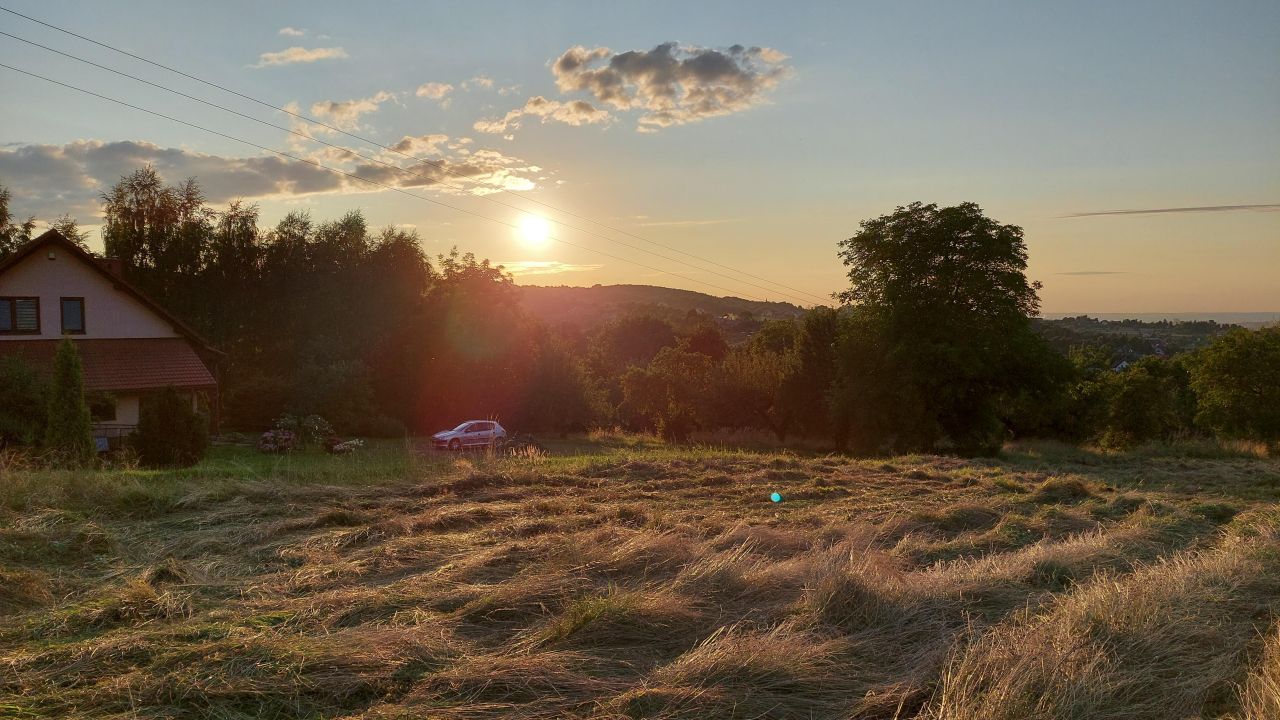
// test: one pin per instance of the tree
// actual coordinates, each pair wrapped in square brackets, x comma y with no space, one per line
[1236,380]
[67,227]
[170,432]
[938,329]
[777,336]
[12,235]
[706,339]
[809,383]
[69,431]
[750,389]
[160,233]
[623,343]
[670,394]
[1149,400]
[561,395]
[627,341]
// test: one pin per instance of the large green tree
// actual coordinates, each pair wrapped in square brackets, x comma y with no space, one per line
[160,232]
[751,390]
[1236,380]
[938,334]
[671,394]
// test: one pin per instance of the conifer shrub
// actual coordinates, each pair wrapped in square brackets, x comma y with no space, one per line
[68,432]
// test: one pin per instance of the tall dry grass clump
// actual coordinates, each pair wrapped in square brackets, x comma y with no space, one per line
[1260,696]
[1167,640]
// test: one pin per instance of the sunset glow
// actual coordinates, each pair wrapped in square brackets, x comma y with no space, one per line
[1144,180]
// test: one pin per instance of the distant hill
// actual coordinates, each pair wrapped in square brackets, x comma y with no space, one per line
[1251,320]
[588,307]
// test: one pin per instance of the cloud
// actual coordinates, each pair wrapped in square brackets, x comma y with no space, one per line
[346,114]
[288,31]
[484,82]
[482,172]
[49,180]
[1266,207]
[673,84]
[530,268]
[53,179]
[1094,272]
[574,112]
[434,90]
[294,55]
[421,144]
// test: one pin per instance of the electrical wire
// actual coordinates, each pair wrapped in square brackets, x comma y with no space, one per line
[364,179]
[440,165]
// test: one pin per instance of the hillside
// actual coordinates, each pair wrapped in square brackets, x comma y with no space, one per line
[587,307]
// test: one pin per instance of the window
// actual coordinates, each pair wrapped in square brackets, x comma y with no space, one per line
[20,315]
[72,316]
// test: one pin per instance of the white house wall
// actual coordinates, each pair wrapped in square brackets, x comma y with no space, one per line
[108,312]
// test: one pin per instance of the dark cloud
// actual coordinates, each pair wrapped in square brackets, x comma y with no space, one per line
[49,180]
[672,84]
[1201,209]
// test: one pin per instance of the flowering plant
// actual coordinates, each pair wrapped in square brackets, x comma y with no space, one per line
[344,447]
[309,430]
[278,441]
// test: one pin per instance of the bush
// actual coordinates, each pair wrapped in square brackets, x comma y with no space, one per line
[291,432]
[170,432]
[310,431]
[69,432]
[23,402]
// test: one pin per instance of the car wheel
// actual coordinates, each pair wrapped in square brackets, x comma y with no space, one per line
[455,444]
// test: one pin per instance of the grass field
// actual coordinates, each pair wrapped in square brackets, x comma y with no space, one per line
[617,578]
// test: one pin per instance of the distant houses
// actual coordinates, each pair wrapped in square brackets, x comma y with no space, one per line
[129,345]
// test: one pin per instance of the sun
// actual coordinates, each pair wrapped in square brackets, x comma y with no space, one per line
[534,230]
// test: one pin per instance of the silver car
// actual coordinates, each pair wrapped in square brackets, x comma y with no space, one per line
[470,434]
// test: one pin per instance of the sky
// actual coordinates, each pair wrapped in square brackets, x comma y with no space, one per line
[1136,143]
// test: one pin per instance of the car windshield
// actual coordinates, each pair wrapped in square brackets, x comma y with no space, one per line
[461,427]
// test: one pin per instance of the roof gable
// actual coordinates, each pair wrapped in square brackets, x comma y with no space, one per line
[54,238]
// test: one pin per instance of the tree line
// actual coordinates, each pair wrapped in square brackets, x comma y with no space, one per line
[931,348]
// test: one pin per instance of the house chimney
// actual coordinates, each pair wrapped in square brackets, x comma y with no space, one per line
[115,266]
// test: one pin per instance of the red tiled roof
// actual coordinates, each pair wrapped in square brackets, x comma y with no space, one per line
[124,363]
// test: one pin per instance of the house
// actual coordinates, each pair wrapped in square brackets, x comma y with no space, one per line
[129,346]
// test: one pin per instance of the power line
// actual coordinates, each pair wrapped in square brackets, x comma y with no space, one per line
[362,179]
[393,166]
[442,166]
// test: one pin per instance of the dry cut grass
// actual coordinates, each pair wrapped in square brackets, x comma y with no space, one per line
[642,582]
